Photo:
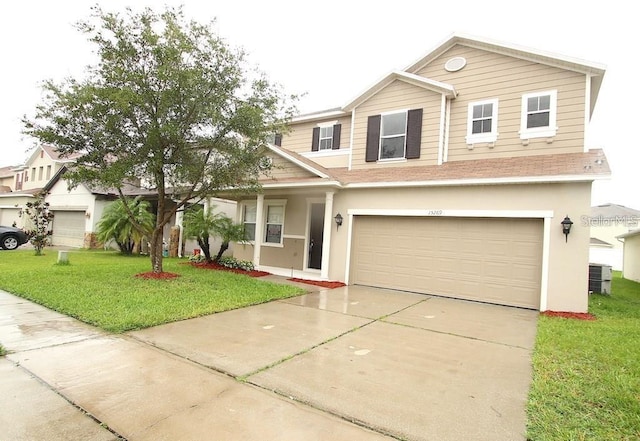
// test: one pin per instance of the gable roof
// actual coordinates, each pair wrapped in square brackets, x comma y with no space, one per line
[436,86]
[612,211]
[594,70]
[52,153]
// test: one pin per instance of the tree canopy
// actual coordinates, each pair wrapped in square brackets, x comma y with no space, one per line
[169,104]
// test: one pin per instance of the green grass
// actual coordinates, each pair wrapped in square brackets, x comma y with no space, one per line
[99,288]
[586,383]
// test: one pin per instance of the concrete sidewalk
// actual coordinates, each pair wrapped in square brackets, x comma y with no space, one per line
[351,363]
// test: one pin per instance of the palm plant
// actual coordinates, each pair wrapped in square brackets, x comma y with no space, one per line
[200,225]
[115,224]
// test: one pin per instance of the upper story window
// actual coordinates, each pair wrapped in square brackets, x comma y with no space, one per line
[482,121]
[394,135]
[326,137]
[539,115]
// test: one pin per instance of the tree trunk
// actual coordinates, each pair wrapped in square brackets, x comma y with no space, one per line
[223,247]
[155,251]
[204,245]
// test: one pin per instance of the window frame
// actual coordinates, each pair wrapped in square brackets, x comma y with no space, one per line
[404,135]
[539,132]
[486,137]
[243,210]
[326,138]
[268,203]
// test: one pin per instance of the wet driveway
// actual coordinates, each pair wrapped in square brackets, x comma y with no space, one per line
[348,363]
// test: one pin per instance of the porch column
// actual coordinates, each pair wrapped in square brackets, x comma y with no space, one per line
[179,219]
[326,235]
[259,230]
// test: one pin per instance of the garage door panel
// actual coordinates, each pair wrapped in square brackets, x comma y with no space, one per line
[494,260]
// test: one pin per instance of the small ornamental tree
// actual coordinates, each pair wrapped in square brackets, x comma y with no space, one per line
[116,225]
[41,218]
[168,103]
[200,225]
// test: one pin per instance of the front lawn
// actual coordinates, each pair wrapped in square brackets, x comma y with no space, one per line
[586,383]
[99,288]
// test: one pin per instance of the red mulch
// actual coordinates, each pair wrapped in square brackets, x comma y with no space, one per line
[215,266]
[324,284]
[157,276]
[571,315]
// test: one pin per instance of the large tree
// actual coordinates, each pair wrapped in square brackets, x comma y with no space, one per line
[169,104]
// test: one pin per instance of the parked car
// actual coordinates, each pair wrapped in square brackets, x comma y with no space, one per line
[11,238]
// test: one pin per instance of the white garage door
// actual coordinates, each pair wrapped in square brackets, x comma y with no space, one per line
[68,228]
[490,260]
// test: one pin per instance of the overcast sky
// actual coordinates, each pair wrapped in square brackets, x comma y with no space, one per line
[333,50]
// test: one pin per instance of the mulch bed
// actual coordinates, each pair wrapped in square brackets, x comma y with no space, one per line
[324,284]
[157,276]
[215,266]
[570,315]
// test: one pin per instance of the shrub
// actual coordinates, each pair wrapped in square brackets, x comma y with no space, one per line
[232,262]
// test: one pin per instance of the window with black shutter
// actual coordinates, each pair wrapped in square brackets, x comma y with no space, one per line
[394,135]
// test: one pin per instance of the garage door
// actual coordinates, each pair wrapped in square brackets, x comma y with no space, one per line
[68,228]
[490,260]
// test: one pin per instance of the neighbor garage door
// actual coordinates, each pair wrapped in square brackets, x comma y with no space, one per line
[68,228]
[490,260]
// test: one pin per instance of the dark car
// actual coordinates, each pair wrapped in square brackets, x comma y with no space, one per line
[11,238]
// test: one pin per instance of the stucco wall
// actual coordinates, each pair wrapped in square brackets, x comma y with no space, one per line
[631,265]
[568,262]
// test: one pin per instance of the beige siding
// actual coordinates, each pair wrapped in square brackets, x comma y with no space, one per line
[299,138]
[282,168]
[400,96]
[631,263]
[488,75]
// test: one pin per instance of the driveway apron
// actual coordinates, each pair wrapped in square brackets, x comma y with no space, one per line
[349,363]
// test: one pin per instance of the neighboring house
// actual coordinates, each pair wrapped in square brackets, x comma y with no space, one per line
[607,222]
[76,211]
[631,252]
[451,177]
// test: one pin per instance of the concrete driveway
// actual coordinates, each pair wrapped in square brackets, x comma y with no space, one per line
[350,363]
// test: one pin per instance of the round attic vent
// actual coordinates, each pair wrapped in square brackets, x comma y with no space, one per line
[455,64]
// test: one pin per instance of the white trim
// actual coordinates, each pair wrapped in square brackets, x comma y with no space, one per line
[334,184]
[439,212]
[319,115]
[326,153]
[443,123]
[539,132]
[479,181]
[349,242]
[544,277]
[326,235]
[445,153]
[351,134]
[327,124]
[478,138]
[275,203]
[293,236]
[587,113]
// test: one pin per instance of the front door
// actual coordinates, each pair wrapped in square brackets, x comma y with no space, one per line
[316,230]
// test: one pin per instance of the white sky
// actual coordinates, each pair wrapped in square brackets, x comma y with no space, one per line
[333,50]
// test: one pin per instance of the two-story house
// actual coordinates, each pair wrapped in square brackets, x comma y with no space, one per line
[451,177]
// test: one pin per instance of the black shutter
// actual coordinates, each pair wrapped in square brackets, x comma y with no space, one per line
[278,140]
[373,138]
[315,141]
[414,133]
[336,136]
